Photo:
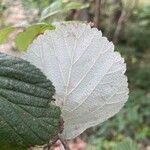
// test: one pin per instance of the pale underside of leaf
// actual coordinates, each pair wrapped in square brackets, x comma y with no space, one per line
[86,72]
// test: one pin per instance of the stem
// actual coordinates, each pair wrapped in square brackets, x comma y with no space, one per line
[97,12]
[65,144]
[119,27]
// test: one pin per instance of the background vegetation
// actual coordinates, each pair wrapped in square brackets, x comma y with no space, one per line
[127,24]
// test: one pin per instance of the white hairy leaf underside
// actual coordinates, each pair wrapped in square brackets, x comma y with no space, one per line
[87,74]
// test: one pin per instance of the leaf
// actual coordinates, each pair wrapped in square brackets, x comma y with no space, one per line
[24,39]
[127,144]
[52,9]
[75,5]
[4,33]
[60,7]
[86,72]
[27,115]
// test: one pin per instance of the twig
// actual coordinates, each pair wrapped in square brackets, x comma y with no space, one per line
[119,27]
[125,14]
[65,144]
[97,13]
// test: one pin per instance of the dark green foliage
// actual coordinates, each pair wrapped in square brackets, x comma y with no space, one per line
[137,31]
[140,78]
[138,36]
[27,115]
[144,16]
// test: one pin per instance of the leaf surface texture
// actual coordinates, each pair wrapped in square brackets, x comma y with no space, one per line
[86,72]
[27,115]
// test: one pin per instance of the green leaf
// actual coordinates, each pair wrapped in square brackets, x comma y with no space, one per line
[61,7]
[4,33]
[127,144]
[75,5]
[27,115]
[24,39]
[52,9]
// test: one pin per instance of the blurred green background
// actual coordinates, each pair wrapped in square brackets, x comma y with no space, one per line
[127,24]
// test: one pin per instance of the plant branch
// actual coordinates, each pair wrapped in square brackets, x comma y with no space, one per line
[97,13]
[65,144]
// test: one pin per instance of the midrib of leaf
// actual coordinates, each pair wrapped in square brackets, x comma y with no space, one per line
[86,72]
[66,45]
[72,58]
[70,70]
[60,69]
